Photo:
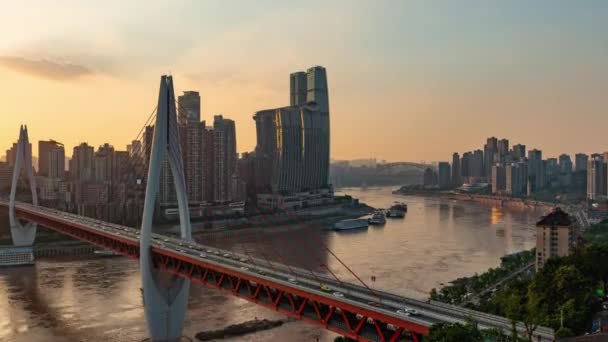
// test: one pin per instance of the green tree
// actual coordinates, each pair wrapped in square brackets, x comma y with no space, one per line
[564,332]
[454,332]
[521,306]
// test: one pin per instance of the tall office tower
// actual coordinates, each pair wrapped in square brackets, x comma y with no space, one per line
[581,160]
[315,124]
[104,163]
[134,148]
[492,144]
[44,150]
[553,237]
[535,163]
[224,161]
[489,153]
[295,140]
[6,175]
[207,155]
[137,159]
[503,149]
[476,165]
[519,151]
[189,116]
[147,144]
[121,166]
[565,164]
[465,166]
[189,108]
[456,176]
[498,179]
[316,81]
[81,165]
[11,154]
[56,163]
[523,177]
[513,184]
[552,167]
[444,175]
[596,178]
[298,88]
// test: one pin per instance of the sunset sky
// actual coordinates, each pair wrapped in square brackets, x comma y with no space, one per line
[408,80]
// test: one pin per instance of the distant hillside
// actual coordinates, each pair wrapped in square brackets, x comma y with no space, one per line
[343,173]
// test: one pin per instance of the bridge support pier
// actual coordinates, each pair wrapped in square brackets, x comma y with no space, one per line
[165,296]
[22,235]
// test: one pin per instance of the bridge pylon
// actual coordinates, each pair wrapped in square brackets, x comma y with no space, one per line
[22,235]
[165,300]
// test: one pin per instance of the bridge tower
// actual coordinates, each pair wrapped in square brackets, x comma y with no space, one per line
[165,297]
[23,235]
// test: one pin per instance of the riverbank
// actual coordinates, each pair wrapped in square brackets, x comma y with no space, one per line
[240,329]
[499,201]
[322,217]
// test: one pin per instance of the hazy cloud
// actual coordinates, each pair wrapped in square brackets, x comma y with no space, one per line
[45,68]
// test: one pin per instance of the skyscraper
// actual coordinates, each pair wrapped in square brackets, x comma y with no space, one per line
[515,178]
[477,166]
[503,149]
[536,168]
[44,150]
[489,153]
[208,160]
[444,175]
[456,176]
[298,88]
[56,167]
[295,140]
[81,165]
[581,160]
[104,163]
[596,178]
[519,151]
[498,178]
[316,82]
[565,164]
[224,161]
[189,115]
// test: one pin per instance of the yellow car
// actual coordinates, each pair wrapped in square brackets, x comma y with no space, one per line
[325,288]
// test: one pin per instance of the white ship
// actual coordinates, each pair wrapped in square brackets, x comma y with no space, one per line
[106,253]
[16,256]
[351,224]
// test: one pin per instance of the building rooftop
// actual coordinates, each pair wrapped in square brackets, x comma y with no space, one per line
[557,217]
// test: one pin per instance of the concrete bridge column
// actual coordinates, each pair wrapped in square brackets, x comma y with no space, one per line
[22,235]
[165,296]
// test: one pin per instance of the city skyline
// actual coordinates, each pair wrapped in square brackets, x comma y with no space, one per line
[429,76]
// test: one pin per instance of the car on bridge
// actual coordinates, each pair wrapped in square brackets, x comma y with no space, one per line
[407,311]
[325,288]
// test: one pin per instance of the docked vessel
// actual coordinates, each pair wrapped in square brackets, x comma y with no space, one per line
[105,253]
[397,210]
[377,219]
[16,256]
[351,224]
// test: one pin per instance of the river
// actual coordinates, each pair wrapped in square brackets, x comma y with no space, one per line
[98,299]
